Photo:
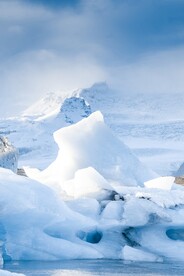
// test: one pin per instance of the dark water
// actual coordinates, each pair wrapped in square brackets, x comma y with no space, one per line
[95,267]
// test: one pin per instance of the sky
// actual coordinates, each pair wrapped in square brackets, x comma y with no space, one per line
[59,45]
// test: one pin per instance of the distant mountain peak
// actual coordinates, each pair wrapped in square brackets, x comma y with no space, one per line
[100,86]
[44,106]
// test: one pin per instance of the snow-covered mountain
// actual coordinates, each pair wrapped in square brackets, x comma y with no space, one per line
[44,106]
[52,102]
[151,125]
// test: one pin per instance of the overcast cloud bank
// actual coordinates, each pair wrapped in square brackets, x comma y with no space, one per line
[133,45]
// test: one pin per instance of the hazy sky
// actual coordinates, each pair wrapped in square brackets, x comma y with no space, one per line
[53,45]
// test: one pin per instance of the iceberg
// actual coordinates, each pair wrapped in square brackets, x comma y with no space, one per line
[164,183]
[89,183]
[90,143]
[37,225]
[136,254]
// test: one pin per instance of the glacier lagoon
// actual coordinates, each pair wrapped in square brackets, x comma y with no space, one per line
[95,267]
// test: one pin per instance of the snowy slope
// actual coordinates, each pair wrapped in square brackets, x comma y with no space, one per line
[44,106]
[51,102]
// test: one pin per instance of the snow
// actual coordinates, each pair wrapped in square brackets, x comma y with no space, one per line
[44,106]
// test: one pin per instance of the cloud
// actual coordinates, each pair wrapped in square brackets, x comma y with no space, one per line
[160,72]
[54,45]
[36,73]
[18,10]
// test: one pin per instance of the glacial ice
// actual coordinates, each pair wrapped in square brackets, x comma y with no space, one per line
[89,183]
[90,143]
[134,254]
[164,183]
[91,202]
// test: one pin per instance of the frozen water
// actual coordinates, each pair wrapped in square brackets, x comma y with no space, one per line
[96,267]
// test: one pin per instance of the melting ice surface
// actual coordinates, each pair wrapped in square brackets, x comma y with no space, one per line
[95,201]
